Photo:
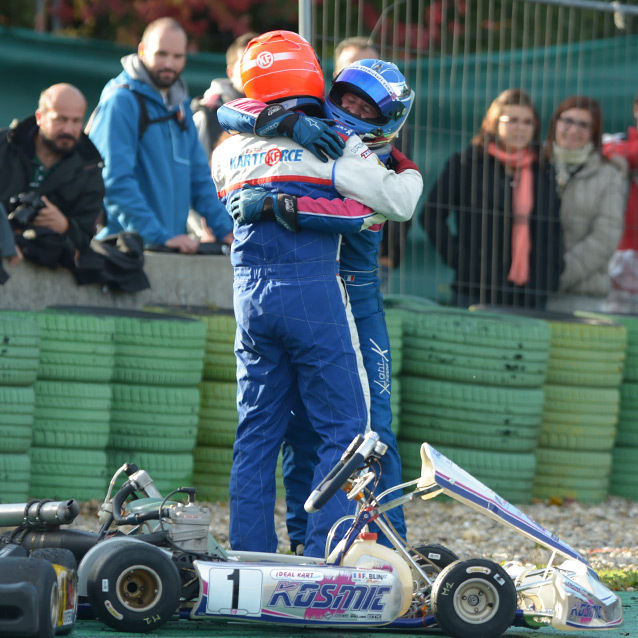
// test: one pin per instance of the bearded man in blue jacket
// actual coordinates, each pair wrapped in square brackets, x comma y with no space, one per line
[155,168]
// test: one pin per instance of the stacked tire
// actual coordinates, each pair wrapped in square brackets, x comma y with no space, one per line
[472,385]
[158,364]
[19,356]
[72,399]
[574,456]
[624,478]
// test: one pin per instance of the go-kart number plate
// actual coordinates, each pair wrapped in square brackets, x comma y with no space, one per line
[235,592]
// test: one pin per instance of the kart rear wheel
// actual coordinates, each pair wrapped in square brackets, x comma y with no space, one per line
[65,567]
[474,598]
[134,589]
[40,576]
[431,559]
[436,558]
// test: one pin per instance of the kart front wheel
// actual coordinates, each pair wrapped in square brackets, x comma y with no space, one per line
[474,598]
[135,588]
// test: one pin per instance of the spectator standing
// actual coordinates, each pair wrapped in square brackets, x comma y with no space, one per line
[51,179]
[220,91]
[593,193]
[493,214]
[294,329]
[352,49]
[155,168]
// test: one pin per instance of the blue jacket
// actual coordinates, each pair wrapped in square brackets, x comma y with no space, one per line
[152,182]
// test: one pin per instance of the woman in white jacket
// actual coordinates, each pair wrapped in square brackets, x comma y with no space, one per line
[593,193]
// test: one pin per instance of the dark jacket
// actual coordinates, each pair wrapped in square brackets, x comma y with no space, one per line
[74,185]
[468,219]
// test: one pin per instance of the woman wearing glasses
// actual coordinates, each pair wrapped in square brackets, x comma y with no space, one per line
[493,214]
[593,193]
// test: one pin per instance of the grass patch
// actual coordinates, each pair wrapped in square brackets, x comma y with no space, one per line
[618,580]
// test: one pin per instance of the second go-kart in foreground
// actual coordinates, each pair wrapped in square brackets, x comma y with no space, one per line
[168,563]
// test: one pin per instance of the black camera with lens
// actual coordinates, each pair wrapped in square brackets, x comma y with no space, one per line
[24,208]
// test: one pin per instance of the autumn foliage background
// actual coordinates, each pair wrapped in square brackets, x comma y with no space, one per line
[213,24]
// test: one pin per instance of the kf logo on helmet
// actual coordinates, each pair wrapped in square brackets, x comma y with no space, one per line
[265,59]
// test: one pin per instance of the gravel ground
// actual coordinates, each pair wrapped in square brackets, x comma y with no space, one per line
[605,534]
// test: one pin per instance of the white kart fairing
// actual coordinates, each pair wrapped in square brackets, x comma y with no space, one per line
[571,594]
[457,483]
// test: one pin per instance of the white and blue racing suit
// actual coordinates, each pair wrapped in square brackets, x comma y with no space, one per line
[295,334]
[359,269]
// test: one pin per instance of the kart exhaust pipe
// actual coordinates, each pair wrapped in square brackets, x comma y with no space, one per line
[77,541]
[38,513]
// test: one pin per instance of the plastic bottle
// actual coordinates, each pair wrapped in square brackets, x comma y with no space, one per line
[366,553]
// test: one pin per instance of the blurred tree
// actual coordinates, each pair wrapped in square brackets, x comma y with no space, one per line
[210,24]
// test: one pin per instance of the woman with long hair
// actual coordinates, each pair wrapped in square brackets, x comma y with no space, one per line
[493,214]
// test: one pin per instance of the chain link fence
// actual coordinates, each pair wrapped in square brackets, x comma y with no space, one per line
[458,56]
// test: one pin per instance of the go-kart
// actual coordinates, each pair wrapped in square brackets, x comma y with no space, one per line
[168,563]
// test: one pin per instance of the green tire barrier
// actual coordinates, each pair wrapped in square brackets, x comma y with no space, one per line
[219,357]
[627,433]
[150,348]
[582,476]
[63,473]
[17,405]
[469,347]
[447,413]
[586,352]
[15,470]
[74,347]
[624,478]
[71,415]
[19,350]
[154,419]
[217,394]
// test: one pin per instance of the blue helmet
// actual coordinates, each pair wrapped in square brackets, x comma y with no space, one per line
[379,83]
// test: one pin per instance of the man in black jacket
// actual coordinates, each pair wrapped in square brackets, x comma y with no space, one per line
[51,179]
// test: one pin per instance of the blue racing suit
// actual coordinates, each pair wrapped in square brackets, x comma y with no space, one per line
[295,333]
[359,270]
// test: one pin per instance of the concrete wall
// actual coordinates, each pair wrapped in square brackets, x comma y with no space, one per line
[184,280]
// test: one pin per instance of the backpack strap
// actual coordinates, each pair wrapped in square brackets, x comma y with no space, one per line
[144,120]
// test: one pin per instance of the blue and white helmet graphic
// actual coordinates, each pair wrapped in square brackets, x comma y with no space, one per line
[379,83]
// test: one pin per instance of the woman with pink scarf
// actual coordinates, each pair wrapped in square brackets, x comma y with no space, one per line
[493,214]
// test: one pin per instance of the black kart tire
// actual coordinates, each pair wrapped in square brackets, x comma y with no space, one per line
[134,589]
[434,558]
[474,598]
[65,567]
[41,574]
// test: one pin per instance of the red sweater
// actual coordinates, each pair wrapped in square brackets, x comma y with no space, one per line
[628,148]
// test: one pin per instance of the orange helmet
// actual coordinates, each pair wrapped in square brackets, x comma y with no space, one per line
[280,65]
